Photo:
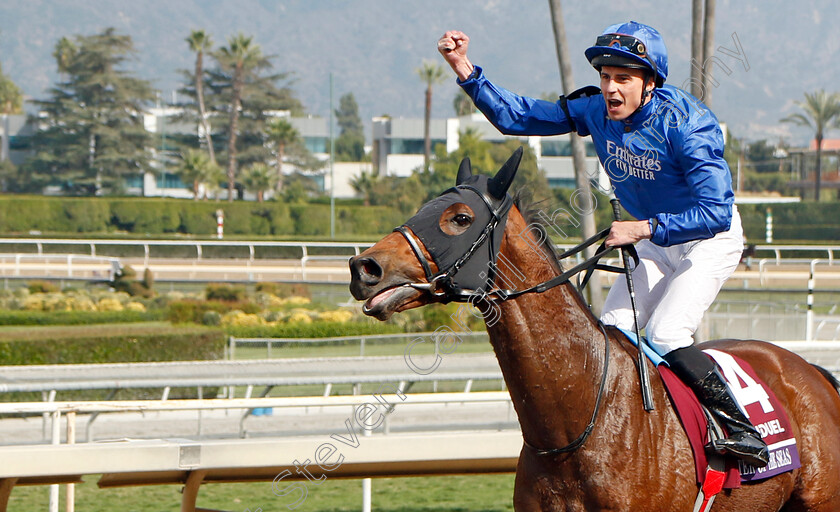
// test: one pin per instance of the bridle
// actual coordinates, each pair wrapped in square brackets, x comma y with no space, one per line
[440,285]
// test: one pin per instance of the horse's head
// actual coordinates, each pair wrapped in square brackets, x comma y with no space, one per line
[446,251]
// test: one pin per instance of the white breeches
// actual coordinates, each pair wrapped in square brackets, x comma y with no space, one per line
[675,286]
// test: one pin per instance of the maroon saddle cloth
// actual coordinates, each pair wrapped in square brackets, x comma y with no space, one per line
[762,407]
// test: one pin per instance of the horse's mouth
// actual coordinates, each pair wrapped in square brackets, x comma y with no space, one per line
[392,300]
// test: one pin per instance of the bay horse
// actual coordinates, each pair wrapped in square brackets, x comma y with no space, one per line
[552,351]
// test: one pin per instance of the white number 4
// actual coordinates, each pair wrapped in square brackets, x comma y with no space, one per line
[749,394]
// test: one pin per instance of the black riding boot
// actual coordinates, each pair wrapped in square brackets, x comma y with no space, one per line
[703,377]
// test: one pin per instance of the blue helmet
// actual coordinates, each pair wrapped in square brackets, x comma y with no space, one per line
[631,45]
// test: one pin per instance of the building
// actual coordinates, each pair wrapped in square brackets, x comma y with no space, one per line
[397,148]
[14,132]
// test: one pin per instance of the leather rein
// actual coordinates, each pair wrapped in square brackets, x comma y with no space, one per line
[440,285]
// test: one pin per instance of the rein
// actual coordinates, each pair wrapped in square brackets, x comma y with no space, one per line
[450,293]
[577,443]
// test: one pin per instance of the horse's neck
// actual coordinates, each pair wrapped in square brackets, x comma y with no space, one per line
[551,351]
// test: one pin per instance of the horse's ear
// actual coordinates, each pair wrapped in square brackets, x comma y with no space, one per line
[464,171]
[500,183]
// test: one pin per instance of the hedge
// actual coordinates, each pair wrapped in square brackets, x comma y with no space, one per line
[154,216]
[9,317]
[69,345]
[806,221]
[313,330]
[110,344]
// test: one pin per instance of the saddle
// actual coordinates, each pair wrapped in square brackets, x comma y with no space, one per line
[714,471]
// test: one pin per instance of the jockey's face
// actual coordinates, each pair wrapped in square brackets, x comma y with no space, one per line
[622,90]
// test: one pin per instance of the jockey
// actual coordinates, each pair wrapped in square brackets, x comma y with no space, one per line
[663,151]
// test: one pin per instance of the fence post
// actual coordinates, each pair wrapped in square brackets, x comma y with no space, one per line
[809,315]
[56,439]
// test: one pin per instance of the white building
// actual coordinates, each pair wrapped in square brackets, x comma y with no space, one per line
[398,146]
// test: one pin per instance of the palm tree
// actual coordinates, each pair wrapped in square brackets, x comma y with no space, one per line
[196,168]
[821,113]
[199,42]
[430,73]
[364,185]
[258,178]
[241,56]
[281,133]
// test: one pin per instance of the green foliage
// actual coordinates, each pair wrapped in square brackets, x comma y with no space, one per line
[42,287]
[313,219]
[146,216]
[87,216]
[350,144]
[284,290]
[77,317]
[107,344]
[127,282]
[455,316]
[196,168]
[193,311]
[90,136]
[225,292]
[794,221]
[259,179]
[11,97]
[312,330]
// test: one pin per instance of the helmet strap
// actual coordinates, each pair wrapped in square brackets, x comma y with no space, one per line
[645,92]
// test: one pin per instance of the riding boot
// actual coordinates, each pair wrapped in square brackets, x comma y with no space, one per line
[703,377]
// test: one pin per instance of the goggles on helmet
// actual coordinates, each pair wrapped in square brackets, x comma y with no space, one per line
[629,43]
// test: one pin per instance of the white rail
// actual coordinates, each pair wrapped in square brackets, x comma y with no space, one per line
[193,462]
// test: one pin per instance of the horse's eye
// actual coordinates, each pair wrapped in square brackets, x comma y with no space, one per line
[462,220]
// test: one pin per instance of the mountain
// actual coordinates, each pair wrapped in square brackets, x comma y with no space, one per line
[373,47]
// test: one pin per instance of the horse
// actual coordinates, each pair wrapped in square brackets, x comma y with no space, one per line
[553,353]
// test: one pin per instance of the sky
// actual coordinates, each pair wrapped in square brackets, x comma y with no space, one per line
[771,52]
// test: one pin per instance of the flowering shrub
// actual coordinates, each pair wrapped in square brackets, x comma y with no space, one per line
[110,304]
[135,306]
[340,316]
[239,318]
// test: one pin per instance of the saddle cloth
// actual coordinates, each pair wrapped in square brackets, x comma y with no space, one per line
[755,398]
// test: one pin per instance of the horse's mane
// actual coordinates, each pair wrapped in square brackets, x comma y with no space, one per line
[528,208]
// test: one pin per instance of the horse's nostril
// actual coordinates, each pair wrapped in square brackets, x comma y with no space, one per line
[372,269]
[367,270]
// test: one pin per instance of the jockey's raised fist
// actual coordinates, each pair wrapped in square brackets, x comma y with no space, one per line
[453,46]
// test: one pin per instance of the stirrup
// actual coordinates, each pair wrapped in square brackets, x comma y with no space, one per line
[745,446]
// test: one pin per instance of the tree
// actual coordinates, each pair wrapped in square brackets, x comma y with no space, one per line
[430,73]
[463,104]
[281,133]
[587,217]
[241,58]
[364,184]
[64,53]
[821,113]
[258,178]
[702,47]
[197,168]
[350,143]
[199,42]
[11,97]
[92,132]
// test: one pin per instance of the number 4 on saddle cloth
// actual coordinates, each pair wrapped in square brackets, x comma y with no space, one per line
[761,407]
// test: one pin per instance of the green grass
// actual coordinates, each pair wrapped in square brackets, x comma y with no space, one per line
[29,332]
[480,493]
[396,348]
